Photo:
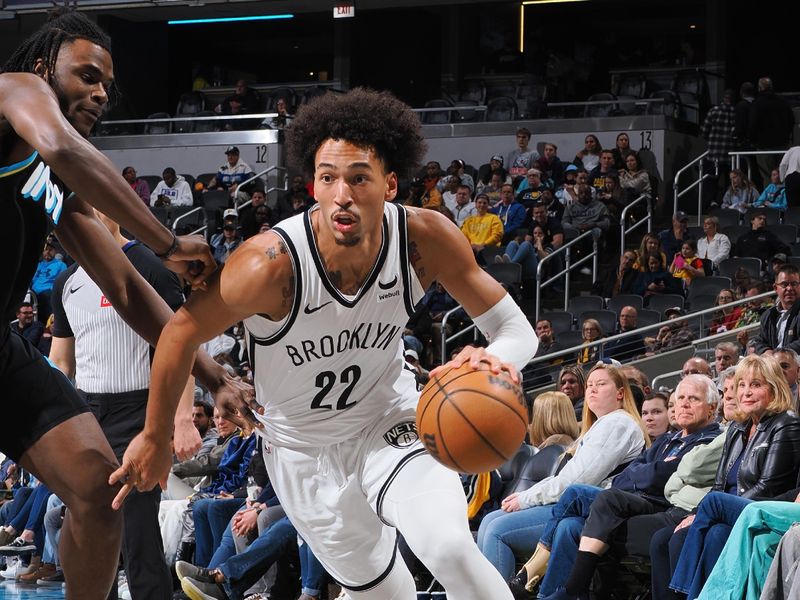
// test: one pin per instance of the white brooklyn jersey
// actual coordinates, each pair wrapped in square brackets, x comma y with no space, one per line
[335,363]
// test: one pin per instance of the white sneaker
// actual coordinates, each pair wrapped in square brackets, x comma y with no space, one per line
[13,567]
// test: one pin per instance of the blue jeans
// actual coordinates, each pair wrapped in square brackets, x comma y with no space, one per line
[503,535]
[574,502]
[211,517]
[243,570]
[52,528]
[9,510]
[312,573]
[564,549]
[716,516]
[525,255]
[31,516]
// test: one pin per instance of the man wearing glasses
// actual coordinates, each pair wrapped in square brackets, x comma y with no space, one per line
[779,325]
[27,326]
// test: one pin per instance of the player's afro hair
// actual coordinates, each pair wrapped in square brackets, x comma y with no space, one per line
[363,117]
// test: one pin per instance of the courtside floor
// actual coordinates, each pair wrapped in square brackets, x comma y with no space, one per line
[18,591]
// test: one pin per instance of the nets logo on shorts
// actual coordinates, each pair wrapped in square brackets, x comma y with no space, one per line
[402,435]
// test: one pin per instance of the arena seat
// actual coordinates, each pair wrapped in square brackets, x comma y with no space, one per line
[727,217]
[618,302]
[503,108]
[467,115]
[561,321]
[648,317]
[437,117]
[205,126]
[661,302]
[708,285]
[158,127]
[669,107]
[152,180]
[580,304]
[729,266]
[528,468]
[785,233]
[601,110]
[474,89]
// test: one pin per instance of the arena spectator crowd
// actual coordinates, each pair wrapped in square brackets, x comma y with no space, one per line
[695,484]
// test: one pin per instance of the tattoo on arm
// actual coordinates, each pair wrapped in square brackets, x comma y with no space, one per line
[273,252]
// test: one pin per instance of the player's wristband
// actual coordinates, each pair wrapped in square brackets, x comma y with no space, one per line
[173,247]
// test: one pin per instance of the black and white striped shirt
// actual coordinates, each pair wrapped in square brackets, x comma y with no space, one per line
[110,357]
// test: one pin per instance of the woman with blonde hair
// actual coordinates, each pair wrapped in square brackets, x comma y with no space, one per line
[760,460]
[553,421]
[650,245]
[611,435]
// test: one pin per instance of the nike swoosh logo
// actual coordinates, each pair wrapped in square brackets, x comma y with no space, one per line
[308,310]
[388,286]
[75,289]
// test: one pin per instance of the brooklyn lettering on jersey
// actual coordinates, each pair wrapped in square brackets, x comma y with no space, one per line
[363,336]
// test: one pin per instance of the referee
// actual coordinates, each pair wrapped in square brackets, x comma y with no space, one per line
[110,364]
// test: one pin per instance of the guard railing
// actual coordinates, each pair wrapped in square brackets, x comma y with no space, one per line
[564,250]
[702,175]
[648,219]
[736,159]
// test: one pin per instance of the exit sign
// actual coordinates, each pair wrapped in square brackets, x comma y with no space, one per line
[344,11]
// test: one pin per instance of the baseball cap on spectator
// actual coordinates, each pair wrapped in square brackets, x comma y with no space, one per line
[232,150]
[680,216]
[675,311]
[230,213]
[498,158]
[570,168]
[780,257]
[411,353]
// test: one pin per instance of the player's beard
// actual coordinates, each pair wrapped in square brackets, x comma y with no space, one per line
[348,243]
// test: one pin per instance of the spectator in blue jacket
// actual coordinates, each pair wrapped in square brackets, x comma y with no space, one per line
[774,195]
[511,213]
[46,272]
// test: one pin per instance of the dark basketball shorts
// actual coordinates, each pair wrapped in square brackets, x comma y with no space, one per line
[36,396]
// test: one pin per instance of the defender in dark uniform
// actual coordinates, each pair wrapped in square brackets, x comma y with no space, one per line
[52,90]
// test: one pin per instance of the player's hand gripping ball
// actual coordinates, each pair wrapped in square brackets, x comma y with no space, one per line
[472,421]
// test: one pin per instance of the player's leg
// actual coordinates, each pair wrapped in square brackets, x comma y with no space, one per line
[75,461]
[62,444]
[326,503]
[426,502]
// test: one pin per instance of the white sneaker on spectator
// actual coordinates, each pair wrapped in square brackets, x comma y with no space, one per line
[12,566]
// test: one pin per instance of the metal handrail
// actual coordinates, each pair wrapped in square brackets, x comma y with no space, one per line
[701,177]
[736,158]
[658,378]
[266,192]
[639,330]
[566,270]
[648,218]
[183,216]
[480,107]
[193,118]
[614,101]
[457,334]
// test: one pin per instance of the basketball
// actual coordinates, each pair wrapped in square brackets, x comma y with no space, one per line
[472,421]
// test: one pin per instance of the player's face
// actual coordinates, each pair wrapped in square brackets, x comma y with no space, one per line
[81,79]
[351,185]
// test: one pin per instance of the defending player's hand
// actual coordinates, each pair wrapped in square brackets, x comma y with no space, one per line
[145,463]
[192,260]
[475,356]
[236,401]
[186,440]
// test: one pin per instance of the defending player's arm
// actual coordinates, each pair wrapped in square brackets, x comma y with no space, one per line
[132,297]
[234,293]
[512,339]
[30,106]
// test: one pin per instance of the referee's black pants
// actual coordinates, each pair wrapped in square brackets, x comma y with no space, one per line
[121,417]
[627,522]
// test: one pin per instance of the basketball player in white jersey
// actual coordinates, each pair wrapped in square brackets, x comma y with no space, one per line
[324,297]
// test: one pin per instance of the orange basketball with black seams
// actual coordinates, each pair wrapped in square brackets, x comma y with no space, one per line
[472,421]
